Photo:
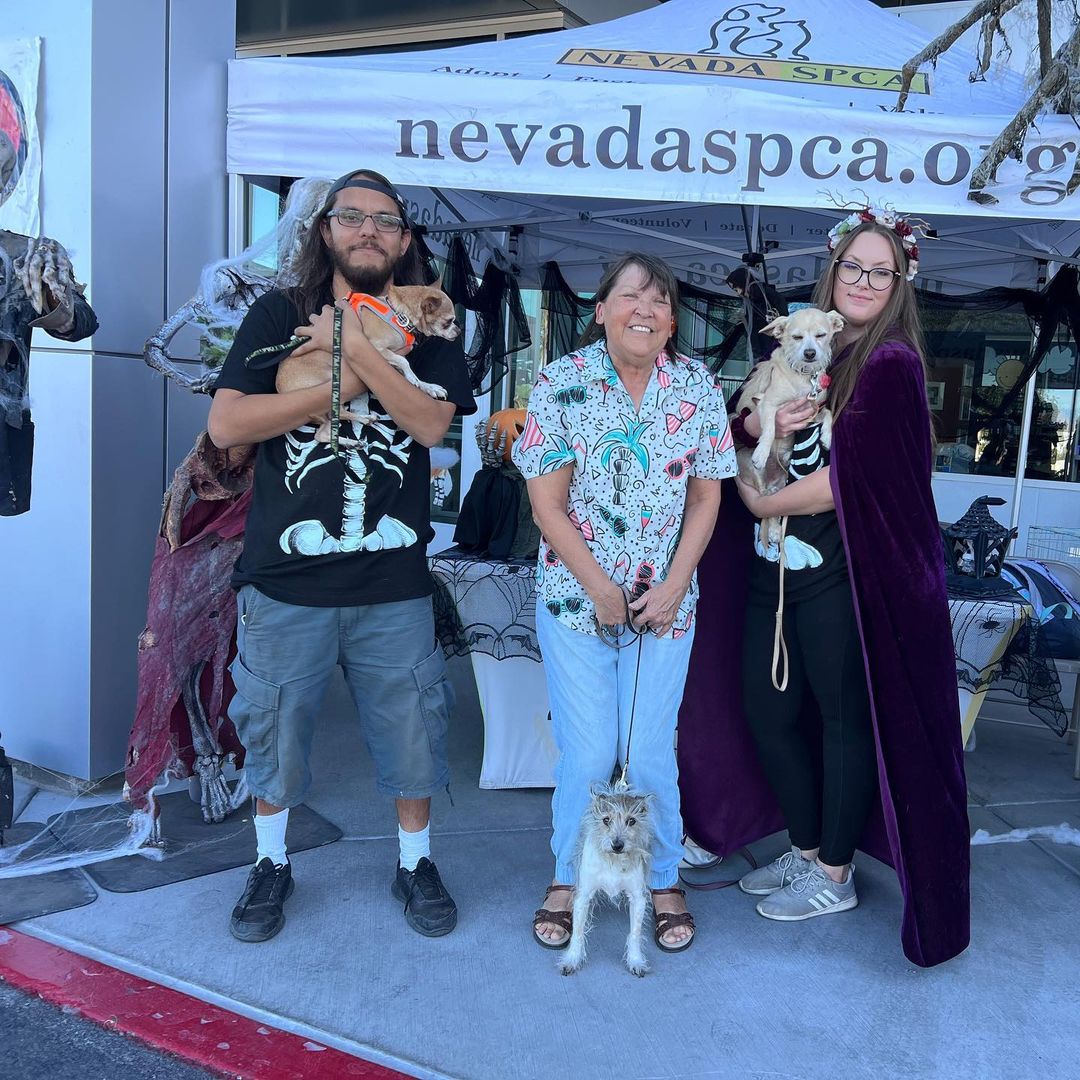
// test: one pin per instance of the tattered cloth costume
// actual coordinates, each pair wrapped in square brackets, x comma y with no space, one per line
[17,321]
[880,478]
[189,639]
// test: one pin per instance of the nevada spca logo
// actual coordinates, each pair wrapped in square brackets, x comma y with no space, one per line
[758,30]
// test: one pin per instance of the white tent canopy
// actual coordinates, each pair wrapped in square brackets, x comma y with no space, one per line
[679,130]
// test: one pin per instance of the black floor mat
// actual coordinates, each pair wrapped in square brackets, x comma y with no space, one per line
[192,848]
[30,895]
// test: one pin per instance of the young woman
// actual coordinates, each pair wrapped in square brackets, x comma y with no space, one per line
[624,448]
[863,747]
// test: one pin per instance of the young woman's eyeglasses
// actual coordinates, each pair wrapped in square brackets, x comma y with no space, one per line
[851,273]
[354,219]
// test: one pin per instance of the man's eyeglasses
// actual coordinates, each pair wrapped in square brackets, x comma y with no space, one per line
[879,279]
[354,219]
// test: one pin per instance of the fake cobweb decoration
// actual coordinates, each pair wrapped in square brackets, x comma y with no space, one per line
[228,287]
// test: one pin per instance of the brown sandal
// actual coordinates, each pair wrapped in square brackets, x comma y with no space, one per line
[562,919]
[668,920]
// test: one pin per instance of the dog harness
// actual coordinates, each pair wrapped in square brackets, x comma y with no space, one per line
[386,311]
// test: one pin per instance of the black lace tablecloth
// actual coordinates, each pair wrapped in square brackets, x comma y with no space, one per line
[980,627]
[485,605]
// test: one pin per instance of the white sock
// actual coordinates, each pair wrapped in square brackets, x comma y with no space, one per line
[270,836]
[413,846]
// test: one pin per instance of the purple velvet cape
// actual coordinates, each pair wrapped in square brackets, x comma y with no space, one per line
[880,475]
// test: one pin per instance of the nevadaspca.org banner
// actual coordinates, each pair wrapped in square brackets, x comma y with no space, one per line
[626,141]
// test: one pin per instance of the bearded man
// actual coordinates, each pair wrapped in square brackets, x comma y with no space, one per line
[334,567]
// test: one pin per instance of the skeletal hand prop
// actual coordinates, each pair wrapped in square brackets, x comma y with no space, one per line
[492,445]
[217,801]
[46,274]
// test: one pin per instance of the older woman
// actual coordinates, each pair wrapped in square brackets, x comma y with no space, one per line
[624,449]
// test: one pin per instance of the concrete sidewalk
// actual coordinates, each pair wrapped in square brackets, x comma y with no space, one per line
[832,997]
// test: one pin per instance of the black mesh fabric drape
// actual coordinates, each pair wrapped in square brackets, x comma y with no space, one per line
[567,313]
[723,317]
[495,301]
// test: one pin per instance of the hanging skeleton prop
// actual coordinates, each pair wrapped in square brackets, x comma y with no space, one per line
[37,288]
[227,289]
[181,727]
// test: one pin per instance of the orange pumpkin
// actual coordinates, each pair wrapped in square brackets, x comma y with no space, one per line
[508,423]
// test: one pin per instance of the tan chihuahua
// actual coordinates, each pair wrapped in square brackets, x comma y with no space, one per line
[391,324]
[797,369]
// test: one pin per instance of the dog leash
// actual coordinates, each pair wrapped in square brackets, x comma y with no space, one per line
[723,883]
[335,383]
[604,632]
[780,651]
[622,781]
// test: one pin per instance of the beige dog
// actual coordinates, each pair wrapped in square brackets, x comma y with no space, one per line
[797,369]
[390,324]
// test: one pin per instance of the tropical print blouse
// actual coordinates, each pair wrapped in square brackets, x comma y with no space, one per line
[628,489]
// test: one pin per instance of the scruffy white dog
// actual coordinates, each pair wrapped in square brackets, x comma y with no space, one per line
[797,369]
[614,856]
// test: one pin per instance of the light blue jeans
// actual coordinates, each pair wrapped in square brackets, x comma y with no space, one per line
[590,689]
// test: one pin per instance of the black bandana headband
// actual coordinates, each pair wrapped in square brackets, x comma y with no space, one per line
[367,185]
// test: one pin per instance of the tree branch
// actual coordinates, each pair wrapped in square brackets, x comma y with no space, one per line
[1055,83]
[995,8]
[1042,13]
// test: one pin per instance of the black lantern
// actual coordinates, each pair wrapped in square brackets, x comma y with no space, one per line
[975,550]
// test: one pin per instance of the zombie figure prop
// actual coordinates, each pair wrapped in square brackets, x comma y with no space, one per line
[37,288]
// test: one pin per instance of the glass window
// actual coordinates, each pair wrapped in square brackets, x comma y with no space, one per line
[1052,444]
[525,364]
[973,361]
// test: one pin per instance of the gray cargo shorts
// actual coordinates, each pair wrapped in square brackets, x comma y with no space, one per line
[395,672]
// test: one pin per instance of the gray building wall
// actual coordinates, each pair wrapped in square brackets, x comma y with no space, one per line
[132,116]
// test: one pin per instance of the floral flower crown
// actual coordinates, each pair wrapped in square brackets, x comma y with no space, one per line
[905,228]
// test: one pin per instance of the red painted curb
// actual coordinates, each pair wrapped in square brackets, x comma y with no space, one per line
[206,1035]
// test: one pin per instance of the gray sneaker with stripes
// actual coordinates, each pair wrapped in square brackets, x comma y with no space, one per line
[810,893]
[775,875]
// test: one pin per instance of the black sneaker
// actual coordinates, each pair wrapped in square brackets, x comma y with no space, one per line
[429,909]
[259,913]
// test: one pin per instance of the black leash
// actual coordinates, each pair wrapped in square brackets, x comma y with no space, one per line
[622,781]
[335,383]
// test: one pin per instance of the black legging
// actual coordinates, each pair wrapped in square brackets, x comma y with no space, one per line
[825,805]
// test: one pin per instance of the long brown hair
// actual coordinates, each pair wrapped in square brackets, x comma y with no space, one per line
[657,273]
[898,320]
[314,269]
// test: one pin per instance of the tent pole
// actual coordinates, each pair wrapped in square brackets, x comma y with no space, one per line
[1021,456]
[1025,438]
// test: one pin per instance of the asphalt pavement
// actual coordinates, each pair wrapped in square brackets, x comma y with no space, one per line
[39,1040]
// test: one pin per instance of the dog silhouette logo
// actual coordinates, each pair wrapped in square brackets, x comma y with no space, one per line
[758,30]
[13,137]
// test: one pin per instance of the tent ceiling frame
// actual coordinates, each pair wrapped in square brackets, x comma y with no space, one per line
[517,221]
[684,241]
[493,26]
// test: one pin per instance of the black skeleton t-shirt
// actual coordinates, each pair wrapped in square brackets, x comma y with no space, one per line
[328,530]
[813,546]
